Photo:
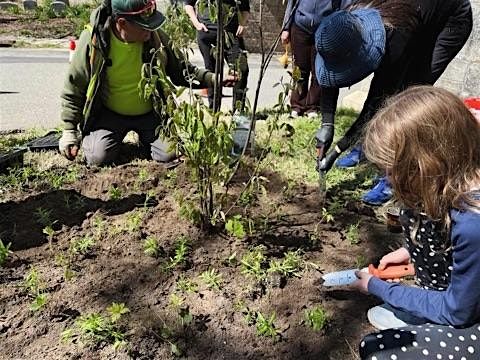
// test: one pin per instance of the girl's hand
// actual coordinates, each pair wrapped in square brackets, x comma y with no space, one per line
[362,283]
[400,256]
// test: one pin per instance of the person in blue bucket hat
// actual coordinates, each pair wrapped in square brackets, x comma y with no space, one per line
[402,42]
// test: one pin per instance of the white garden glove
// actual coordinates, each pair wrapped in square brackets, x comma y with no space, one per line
[69,144]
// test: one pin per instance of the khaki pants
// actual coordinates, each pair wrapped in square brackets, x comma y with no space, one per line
[101,145]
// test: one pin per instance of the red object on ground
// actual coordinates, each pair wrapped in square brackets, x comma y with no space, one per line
[472,103]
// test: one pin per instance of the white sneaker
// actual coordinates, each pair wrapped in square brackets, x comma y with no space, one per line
[312,115]
[386,317]
[294,114]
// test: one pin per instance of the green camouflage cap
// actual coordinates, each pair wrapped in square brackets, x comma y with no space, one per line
[141,12]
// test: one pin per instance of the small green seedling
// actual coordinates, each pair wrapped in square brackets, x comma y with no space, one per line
[252,263]
[212,279]
[266,326]
[34,286]
[150,247]
[316,318]
[176,301]
[39,301]
[116,311]
[99,224]
[182,247]
[4,252]
[98,328]
[291,265]
[186,285]
[44,217]
[32,282]
[114,193]
[231,260]
[134,220]
[326,216]
[48,230]
[353,235]
[82,245]
[234,227]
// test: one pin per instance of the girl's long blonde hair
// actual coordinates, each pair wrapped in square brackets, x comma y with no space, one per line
[429,144]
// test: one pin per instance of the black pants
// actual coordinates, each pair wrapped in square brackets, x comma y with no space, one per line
[234,54]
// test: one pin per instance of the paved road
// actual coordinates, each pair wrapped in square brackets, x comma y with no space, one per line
[31,81]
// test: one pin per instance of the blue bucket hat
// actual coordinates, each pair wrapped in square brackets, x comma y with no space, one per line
[350,46]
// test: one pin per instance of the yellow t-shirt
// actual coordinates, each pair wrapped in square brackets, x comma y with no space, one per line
[123,76]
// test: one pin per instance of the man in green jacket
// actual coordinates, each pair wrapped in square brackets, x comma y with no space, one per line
[101,101]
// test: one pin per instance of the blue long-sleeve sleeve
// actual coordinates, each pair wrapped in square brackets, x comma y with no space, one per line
[459,304]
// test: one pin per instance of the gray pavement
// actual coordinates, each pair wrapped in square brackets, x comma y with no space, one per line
[31,81]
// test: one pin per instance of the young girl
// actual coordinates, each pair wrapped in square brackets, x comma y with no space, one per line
[428,142]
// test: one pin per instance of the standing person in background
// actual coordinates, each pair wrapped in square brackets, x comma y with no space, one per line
[428,143]
[301,19]
[403,42]
[234,45]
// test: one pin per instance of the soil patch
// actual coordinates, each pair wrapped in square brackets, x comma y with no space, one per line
[117,270]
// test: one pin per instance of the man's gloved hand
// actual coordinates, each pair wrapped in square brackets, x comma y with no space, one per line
[324,138]
[69,144]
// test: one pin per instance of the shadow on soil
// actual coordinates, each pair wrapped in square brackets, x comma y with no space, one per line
[22,222]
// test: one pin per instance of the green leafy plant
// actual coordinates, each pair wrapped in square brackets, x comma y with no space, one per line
[212,279]
[290,265]
[266,326]
[39,301]
[186,285]
[353,234]
[176,301]
[116,311]
[48,230]
[98,328]
[82,245]
[189,211]
[115,193]
[234,227]
[316,318]
[134,220]
[44,216]
[252,263]
[34,285]
[182,247]
[99,225]
[150,247]
[65,262]
[4,252]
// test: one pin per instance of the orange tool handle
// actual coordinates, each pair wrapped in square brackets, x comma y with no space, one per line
[392,271]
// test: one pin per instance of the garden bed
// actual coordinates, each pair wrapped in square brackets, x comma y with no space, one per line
[88,236]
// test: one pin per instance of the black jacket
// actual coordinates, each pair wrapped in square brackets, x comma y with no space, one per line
[413,56]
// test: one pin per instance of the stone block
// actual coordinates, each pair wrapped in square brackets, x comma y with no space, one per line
[4,5]
[29,4]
